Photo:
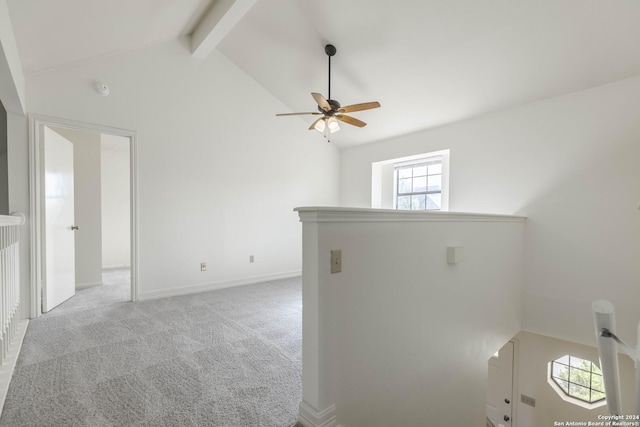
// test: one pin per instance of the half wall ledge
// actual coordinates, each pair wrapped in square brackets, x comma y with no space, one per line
[344,214]
[395,304]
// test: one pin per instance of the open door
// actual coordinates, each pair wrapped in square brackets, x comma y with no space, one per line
[500,388]
[60,283]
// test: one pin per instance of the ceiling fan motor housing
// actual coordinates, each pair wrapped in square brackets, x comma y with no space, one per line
[334,107]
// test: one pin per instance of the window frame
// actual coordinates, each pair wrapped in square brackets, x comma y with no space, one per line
[383,179]
[425,161]
[551,379]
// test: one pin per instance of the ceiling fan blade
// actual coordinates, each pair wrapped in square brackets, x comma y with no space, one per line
[296,114]
[359,107]
[350,120]
[322,101]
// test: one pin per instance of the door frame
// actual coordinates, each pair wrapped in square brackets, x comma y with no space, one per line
[37,266]
[515,391]
[515,369]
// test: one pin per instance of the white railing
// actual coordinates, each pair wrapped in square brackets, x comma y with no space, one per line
[608,345]
[9,280]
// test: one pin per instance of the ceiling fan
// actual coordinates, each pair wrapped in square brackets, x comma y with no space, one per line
[331,110]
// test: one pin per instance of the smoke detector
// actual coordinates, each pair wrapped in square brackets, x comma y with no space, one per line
[101,88]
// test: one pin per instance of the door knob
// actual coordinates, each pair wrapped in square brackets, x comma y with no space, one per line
[506,418]
[507,401]
[75,228]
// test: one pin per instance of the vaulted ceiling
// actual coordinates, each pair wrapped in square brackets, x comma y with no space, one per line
[428,62]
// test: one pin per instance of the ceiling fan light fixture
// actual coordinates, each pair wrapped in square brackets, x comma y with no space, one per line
[320,125]
[333,125]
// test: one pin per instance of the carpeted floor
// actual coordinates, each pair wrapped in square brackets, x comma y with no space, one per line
[116,287]
[224,358]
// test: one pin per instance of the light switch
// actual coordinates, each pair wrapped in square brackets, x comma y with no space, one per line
[336,261]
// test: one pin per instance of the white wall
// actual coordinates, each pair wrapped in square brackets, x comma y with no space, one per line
[536,351]
[570,164]
[116,244]
[219,174]
[87,206]
[403,337]
[4,168]
[12,85]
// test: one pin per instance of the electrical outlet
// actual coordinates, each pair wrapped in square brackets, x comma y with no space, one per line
[528,400]
[251,259]
[336,261]
[203,266]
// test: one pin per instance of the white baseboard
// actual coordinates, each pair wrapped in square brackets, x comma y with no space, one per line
[87,285]
[6,370]
[309,417]
[215,286]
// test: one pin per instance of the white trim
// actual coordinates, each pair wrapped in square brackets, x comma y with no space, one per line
[35,121]
[429,158]
[34,208]
[309,417]
[515,392]
[134,229]
[6,369]
[87,285]
[6,220]
[204,287]
[337,214]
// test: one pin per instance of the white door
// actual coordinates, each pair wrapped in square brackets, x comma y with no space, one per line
[60,278]
[500,387]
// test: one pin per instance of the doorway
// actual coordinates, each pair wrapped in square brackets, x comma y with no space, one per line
[501,407]
[100,150]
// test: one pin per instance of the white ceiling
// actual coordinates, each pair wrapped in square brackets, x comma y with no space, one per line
[428,62]
[51,34]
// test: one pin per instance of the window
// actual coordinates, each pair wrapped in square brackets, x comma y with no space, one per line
[418,185]
[417,182]
[577,380]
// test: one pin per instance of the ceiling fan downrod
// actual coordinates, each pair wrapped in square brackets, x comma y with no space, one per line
[330,50]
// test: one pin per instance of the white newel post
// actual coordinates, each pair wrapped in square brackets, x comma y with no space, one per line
[317,408]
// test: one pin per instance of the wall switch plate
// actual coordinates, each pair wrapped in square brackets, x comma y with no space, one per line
[203,266]
[251,259]
[336,261]
[528,400]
